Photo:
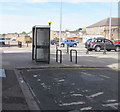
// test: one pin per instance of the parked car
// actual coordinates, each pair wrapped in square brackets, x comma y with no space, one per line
[2,41]
[117,41]
[53,42]
[70,42]
[98,44]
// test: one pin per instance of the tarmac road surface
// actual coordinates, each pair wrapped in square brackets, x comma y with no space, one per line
[73,88]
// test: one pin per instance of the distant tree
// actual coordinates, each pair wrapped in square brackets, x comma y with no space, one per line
[3,34]
[16,33]
[24,33]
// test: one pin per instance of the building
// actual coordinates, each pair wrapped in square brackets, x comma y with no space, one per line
[102,28]
[24,39]
[19,37]
[9,36]
[66,34]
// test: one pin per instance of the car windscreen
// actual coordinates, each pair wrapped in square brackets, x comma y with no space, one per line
[89,40]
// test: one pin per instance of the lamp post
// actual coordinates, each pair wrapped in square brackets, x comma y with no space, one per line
[60,21]
[110,21]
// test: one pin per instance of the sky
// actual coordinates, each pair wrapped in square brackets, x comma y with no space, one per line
[22,15]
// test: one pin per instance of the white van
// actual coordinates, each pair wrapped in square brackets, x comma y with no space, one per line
[86,37]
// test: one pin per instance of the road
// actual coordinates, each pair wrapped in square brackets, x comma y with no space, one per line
[73,88]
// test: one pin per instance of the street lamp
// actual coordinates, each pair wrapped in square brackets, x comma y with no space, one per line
[49,22]
[110,20]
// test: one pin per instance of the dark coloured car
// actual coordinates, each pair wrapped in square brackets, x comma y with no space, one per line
[2,41]
[98,44]
[53,42]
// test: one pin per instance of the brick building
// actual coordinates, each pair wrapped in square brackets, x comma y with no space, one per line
[102,28]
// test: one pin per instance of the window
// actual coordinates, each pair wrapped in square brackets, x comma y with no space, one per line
[68,40]
[2,39]
[72,40]
[99,40]
[108,41]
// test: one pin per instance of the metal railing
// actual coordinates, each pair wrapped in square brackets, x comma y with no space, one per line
[71,51]
[57,55]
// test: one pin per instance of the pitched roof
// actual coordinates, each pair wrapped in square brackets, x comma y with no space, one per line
[105,22]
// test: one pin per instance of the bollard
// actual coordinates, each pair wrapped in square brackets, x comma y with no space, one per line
[104,52]
[71,55]
[19,44]
[27,44]
[87,52]
[57,55]
[67,48]
[56,47]
[9,44]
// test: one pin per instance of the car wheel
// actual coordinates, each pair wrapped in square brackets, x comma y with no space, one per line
[62,45]
[89,49]
[117,48]
[97,48]
[74,45]
[108,49]
[3,43]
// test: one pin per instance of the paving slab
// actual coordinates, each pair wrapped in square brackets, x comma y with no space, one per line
[12,96]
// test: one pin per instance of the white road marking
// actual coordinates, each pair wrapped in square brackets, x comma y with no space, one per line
[84,90]
[72,91]
[44,86]
[73,103]
[108,101]
[113,105]
[104,76]
[87,74]
[94,95]
[62,80]
[35,75]
[86,108]
[76,95]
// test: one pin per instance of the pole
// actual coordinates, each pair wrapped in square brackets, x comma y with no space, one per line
[27,44]
[8,43]
[68,48]
[60,22]
[110,21]
[104,52]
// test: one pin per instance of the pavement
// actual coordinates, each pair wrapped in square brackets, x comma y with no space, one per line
[18,91]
